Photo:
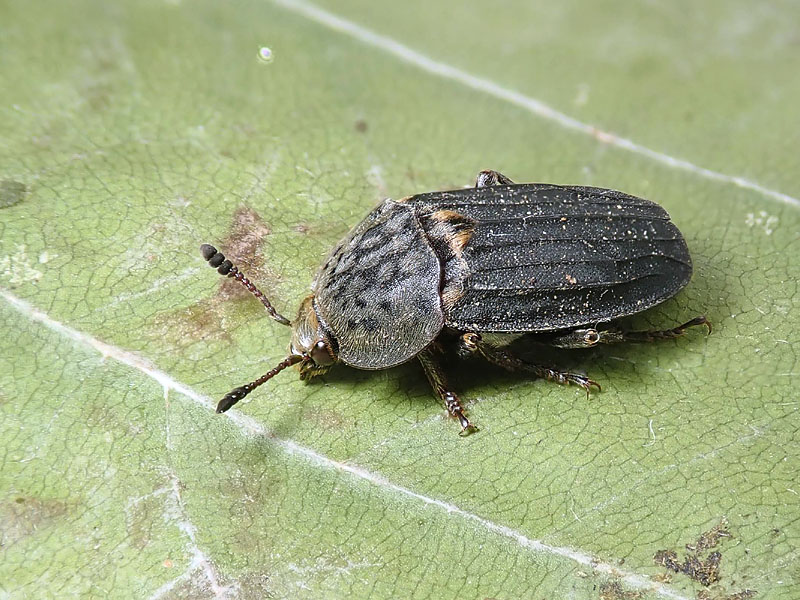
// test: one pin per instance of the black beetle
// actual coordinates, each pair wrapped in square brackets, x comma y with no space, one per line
[500,258]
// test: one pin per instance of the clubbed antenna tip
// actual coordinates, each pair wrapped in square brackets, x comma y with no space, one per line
[207,250]
[225,267]
[240,392]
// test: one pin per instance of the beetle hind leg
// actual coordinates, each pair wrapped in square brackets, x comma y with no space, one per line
[439,383]
[488,178]
[586,338]
[473,343]
[653,335]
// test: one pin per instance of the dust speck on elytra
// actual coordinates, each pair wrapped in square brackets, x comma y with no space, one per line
[11,192]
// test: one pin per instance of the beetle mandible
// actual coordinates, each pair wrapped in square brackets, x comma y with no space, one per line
[448,268]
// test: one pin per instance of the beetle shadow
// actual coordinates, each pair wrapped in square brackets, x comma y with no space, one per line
[464,375]
[476,371]
[409,376]
[604,363]
[324,395]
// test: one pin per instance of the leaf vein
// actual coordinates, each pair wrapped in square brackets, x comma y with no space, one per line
[252,427]
[528,103]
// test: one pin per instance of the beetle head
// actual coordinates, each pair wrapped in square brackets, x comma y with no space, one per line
[311,343]
[313,349]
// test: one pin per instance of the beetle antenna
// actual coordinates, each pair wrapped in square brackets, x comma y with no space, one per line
[237,394]
[223,266]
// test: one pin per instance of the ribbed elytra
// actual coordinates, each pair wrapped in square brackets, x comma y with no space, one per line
[435,272]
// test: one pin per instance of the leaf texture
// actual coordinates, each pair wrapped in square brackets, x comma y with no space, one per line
[132,132]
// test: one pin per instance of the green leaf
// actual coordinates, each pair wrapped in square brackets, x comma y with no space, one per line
[131,133]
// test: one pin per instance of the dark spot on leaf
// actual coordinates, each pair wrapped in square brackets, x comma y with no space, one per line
[139,520]
[612,590]
[743,595]
[97,95]
[361,126]
[302,228]
[662,577]
[11,192]
[710,538]
[203,320]
[23,516]
[253,585]
[242,246]
[705,570]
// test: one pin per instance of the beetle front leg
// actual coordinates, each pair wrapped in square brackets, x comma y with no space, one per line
[488,178]
[586,338]
[473,343]
[439,383]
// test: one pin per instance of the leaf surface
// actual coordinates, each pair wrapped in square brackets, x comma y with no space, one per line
[139,131]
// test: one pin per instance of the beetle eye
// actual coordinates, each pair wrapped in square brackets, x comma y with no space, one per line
[321,354]
[592,337]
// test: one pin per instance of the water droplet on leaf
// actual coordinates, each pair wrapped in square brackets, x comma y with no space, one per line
[265,54]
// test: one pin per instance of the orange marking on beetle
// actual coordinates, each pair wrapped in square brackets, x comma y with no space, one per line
[459,228]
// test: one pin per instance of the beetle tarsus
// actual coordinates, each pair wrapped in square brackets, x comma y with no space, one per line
[665,334]
[614,336]
[701,320]
[584,382]
[438,381]
[454,408]
[466,426]
[562,377]
[588,338]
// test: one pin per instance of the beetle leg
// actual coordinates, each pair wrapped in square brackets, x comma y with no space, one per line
[586,338]
[613,336]
[508,361]
[488,177]
[439,383]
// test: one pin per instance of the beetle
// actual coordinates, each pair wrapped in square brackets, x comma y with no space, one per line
[470,266]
